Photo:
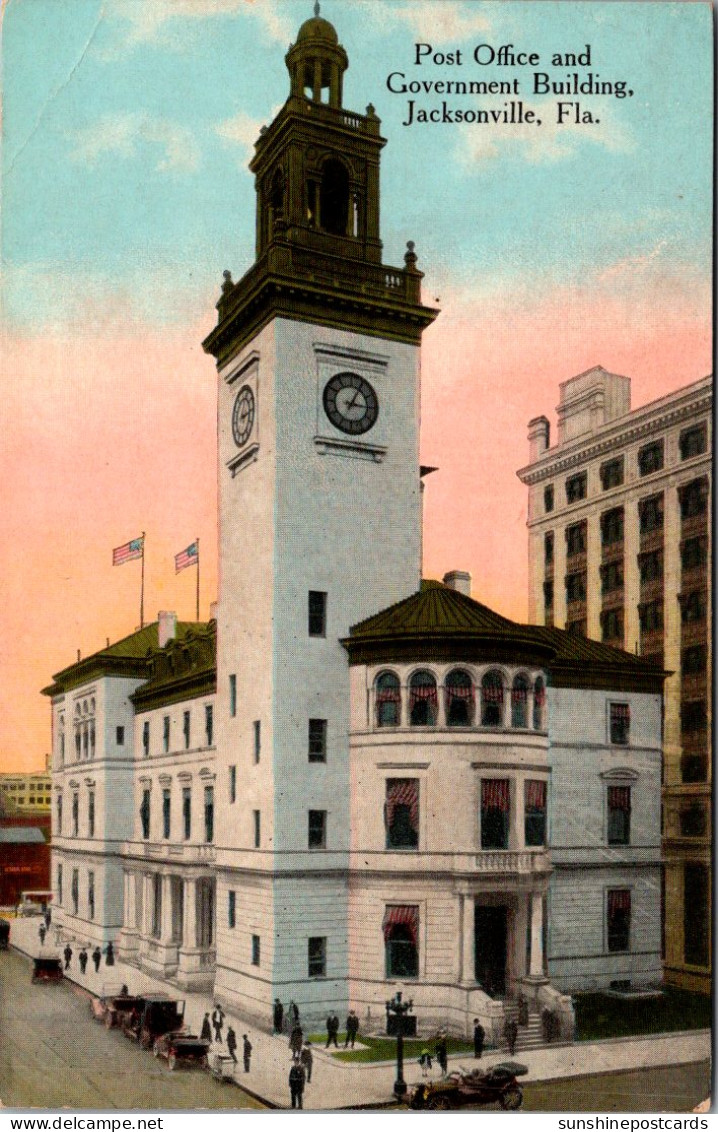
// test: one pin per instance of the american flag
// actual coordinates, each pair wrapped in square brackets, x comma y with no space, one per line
[133,549]
[187,557]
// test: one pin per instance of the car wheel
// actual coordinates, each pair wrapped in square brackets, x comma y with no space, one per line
[439,1104]
[512,1099]
[172,1061]
[204,1063]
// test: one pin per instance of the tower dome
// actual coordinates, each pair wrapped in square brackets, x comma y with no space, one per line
[317,62]
[317,28]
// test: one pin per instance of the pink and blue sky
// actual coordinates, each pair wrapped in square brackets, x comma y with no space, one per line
[128,125]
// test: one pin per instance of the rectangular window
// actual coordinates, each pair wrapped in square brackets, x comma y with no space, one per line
[75,891]
[612,526]
[257,828]
[611,473]
[75,813]
[576,587]
[650,616]
[696,915]
[578,628]
[317,829]
[694,499]
[619,815]
[612,625]
[693,716]
[611,577]
[576,488]
[650,566]
[232,694]
[495,808]
[209,723]
[620,724]
[256,950]
[59,885]
[186,813]
[231,909]
[91,814]
[317,613]
[90,896]
[166,733]
[693,553]
[650,514]
[233,784]
[693,821]
[618,919]
[694,659]
[548,498]
[120,736]
[317,740]
[548,548]
[166,813]
[58,805]
[548,594]
[257,739]
[186,729]
[576,538]
[535,813]
[650,458]
[145,814]
[693,606]
[401,933]
[317,957]
[692,442]
[146,738]
[401,813]
[209,813]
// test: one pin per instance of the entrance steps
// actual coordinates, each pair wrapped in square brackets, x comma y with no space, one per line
[530,1036]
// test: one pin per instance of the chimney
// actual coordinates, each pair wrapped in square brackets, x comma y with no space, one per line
[539,436]
[167,627]
[459,580]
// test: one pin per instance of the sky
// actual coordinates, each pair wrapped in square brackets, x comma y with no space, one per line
[128,126]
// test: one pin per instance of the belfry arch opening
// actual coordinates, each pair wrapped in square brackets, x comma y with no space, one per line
[334,198]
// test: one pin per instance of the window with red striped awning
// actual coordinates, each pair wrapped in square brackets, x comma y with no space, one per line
[619,900]
[535,795]
[403,791]
[406,915]
[619,798]
[495,794]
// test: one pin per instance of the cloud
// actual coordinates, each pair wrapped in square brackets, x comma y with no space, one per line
[440,23]
[241,130]
[120,135]
[156,21]
[548,142]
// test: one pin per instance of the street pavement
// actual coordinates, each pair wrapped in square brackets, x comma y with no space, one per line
[336,1084]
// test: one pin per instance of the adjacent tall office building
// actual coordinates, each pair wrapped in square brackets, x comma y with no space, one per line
[619,550]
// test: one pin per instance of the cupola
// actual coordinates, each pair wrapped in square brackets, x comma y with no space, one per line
[317,62]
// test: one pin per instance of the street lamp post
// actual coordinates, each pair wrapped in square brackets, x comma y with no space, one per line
[399,1010]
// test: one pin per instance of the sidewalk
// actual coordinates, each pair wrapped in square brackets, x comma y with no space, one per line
[339,1085]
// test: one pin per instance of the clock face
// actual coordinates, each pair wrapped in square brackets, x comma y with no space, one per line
[243,416]
[350,403]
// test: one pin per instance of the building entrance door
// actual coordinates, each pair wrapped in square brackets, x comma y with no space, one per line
[490,937]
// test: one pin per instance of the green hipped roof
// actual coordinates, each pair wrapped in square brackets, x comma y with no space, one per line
[125,657]
[434,609]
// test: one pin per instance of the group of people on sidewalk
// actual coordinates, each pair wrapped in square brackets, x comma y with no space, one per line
[83,956]
[216,1024]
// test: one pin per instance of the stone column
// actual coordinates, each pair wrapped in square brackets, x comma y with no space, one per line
[517,835]
[593,576]
[317,90]
[189,928]
[468,966]
[536,965]
[166,931]
[148,905]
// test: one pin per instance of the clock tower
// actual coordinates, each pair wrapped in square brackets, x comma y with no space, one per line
[317,350]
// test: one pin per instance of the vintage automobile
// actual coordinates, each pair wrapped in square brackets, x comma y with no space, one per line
[112,1005]
[4,935]
[497,1085]
[150,1017]
[46,969]
[178,1046]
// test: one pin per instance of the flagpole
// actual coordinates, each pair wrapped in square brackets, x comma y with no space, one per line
[142,586]
[197,545]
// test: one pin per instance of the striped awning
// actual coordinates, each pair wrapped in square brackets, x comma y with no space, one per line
[406,915]
[495,794]
[619,900]
[535,795]
[619,798]
[403,792]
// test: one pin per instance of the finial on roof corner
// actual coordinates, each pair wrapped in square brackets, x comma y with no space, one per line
[316,8]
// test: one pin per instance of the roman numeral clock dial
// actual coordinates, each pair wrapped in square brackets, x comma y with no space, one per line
[243,416]
[351,403]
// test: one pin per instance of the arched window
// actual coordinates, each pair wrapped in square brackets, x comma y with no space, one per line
[388,700]
[492,700]
[539,701]
[423,700]
[334,198]
[459,692]
[519,702]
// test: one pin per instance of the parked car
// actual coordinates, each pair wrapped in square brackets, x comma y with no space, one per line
[46,970]
[178,1046]
[112,1005]
[497,1085]
[152,1016]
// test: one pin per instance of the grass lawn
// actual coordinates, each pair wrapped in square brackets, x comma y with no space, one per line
[384,1049]
[603,1016]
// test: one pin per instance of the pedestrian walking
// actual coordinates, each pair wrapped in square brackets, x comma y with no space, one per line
[296,1084]
[218,1022]
[293,1013]
[206,1031]
[277,1016]
[96,957]
[523,1010]
[306,1057]
[511,1031]
[109,955]
[83,957]
[479,1036]
[247,1052]
[42,932]
[48,918]
[296,1040]
[441,1052]
[68,956]
[425,1062]
[232,1044]
[352,1029]
[332,1030]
